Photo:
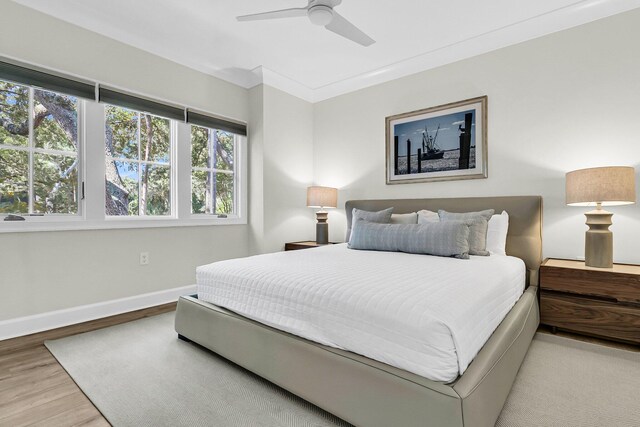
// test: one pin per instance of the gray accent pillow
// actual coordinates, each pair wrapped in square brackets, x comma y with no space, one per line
[383,217]
[446,238]
[477,229]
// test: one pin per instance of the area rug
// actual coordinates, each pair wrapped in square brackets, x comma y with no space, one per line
[140,374]
[567,383]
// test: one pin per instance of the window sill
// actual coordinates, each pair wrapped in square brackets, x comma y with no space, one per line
[72,224]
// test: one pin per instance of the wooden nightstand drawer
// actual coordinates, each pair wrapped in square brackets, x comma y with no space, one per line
[624,288]
[622,283]
[590,316]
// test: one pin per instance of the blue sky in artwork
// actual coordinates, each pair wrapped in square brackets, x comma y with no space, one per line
[448,135]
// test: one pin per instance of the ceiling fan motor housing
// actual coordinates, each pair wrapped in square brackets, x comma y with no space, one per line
[320,15]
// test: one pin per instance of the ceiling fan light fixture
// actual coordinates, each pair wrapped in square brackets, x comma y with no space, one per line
[320,15]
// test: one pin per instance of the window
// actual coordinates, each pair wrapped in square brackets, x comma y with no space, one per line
[39,146]
[138,163]
[77,155]
[213,173]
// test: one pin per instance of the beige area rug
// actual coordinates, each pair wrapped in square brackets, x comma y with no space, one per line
[140,374]
[568,383]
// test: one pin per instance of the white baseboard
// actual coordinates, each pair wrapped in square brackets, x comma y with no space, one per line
[56,319]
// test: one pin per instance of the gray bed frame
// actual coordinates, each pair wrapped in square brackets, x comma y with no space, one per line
[365,392]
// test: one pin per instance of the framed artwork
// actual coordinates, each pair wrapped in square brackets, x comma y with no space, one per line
[440,143]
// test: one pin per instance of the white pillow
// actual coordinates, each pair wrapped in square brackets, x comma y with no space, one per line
[427,217]
[497,234]
[409,218]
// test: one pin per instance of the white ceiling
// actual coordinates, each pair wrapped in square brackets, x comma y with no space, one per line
[311,62]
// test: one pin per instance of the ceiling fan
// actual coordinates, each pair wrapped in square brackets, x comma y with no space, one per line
[319,12]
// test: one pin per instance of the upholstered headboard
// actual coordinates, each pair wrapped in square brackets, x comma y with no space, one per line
[524,239]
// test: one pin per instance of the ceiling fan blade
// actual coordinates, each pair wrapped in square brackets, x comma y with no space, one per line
[275,14]
[341,26]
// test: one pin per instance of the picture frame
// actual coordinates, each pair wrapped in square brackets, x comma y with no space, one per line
[441,138]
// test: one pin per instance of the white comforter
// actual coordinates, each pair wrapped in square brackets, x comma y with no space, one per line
[425,314]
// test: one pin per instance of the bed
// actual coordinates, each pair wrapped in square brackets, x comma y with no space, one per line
[366,391]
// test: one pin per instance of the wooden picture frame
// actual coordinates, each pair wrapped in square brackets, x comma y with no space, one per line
[460,153]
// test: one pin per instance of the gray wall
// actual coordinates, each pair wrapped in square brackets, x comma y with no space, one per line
[41,272]
[281,164]
[47,271]
[566,101]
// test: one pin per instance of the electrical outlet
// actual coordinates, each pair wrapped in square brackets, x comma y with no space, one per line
[144,258]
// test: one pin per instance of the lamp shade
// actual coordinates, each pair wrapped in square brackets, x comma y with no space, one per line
[611,185]
[322,197]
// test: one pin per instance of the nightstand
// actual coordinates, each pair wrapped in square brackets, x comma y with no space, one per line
[602,302]
[294,246]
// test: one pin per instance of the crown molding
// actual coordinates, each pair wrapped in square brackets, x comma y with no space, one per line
[283,83]
[579,13]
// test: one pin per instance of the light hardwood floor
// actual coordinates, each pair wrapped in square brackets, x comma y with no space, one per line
[36,391]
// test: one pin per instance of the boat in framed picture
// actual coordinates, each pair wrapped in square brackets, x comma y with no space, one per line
[440,143]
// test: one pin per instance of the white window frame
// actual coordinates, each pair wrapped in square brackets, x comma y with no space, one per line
[92,214]
[215,170]
[31,150]
[173,177]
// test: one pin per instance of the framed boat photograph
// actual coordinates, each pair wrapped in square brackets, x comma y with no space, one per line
[440,143]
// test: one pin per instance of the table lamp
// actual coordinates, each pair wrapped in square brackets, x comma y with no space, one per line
[322,197]
[605,186]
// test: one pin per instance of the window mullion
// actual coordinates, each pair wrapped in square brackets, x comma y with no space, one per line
[31,146]
[14,147]
[235,176]
[139,167]
[80,204]
[173,168]
[94,155]
[55,152]
[213,170]
[209,172]
[183,171]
